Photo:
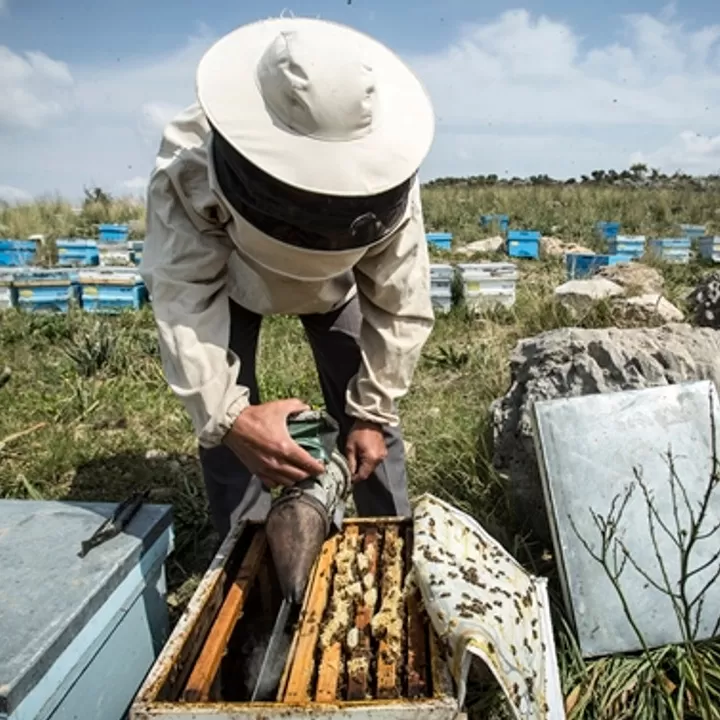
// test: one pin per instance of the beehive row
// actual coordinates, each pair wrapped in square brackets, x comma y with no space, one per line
[59,289]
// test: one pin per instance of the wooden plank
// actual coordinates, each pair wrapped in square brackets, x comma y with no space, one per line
[206,668]
[303,660]
[442,682]
[387,670]
[329,674]
[358,682]
[331,664]
[416,637]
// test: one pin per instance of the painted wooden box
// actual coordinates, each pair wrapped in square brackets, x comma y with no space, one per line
[76,253]
[112,232]
[15,253]
[580,265]
[79,634]
[112,290]
[208,665]
[52,289]
[441,281]
[709,247]
[488,284]
[440,240]
[7,291]
[523,243]
[631,245]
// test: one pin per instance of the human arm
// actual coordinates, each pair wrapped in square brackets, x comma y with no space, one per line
[184,265]
[393,281]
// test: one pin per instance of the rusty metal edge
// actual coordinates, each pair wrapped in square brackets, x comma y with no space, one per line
[194,612]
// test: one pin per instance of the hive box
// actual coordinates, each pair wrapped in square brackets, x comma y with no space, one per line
[114,233]
[607,230]
[77,252]
[441,280]
[709,248]
[523,243]
[631,245]
[14,253]
[693,232]
[486,284]
[136,251]
[203,673]
[440,240]
[114,254]
[674,250]
[111,289]
[78,634]
[579,265]
[7,291]
[51,289]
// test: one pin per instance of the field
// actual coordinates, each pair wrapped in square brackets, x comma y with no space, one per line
[87,414]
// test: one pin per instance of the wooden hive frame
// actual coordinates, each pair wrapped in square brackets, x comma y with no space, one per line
[184,683]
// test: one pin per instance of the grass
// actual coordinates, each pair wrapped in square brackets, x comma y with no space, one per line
[113,426]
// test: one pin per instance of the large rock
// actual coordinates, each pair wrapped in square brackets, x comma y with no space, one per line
[581,294]
[489,245]
[635,278]
[572,362]
[650,308]
[555,247]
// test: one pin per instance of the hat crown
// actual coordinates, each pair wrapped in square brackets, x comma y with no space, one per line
[319,85]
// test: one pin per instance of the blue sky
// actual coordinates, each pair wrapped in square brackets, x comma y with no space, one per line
[556,87]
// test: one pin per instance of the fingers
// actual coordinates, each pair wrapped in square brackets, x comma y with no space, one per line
[300,461]
[292,406]
[351,457]
[367,465]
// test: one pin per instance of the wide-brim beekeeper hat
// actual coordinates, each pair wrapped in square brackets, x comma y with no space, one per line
[315,122]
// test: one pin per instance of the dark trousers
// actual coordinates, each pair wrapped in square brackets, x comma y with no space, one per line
[233,493]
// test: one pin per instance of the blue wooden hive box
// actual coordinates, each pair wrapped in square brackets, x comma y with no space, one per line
[77,252]
[112,232]
[580,265]
[523,243]
[46,289]
[78,634]
[631,245]
[607,230]
[440,240]
[112,290]
[15,253]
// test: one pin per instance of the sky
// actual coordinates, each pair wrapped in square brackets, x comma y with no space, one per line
[555,87]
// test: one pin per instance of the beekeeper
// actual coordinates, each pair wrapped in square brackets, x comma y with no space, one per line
[291,188]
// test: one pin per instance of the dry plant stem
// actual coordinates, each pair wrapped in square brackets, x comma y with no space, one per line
[688,610]
[608,528]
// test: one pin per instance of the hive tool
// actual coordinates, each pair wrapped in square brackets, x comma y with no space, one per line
[122,514]
[300,519]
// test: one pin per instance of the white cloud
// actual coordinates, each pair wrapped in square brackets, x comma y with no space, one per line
[105,131]
[530,79]
[689,152]
[11,194]
[521,94]
[34,88]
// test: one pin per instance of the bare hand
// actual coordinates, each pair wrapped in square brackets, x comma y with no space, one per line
[260,438]
[365,449]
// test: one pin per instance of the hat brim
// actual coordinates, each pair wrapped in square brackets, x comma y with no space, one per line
[392,152]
